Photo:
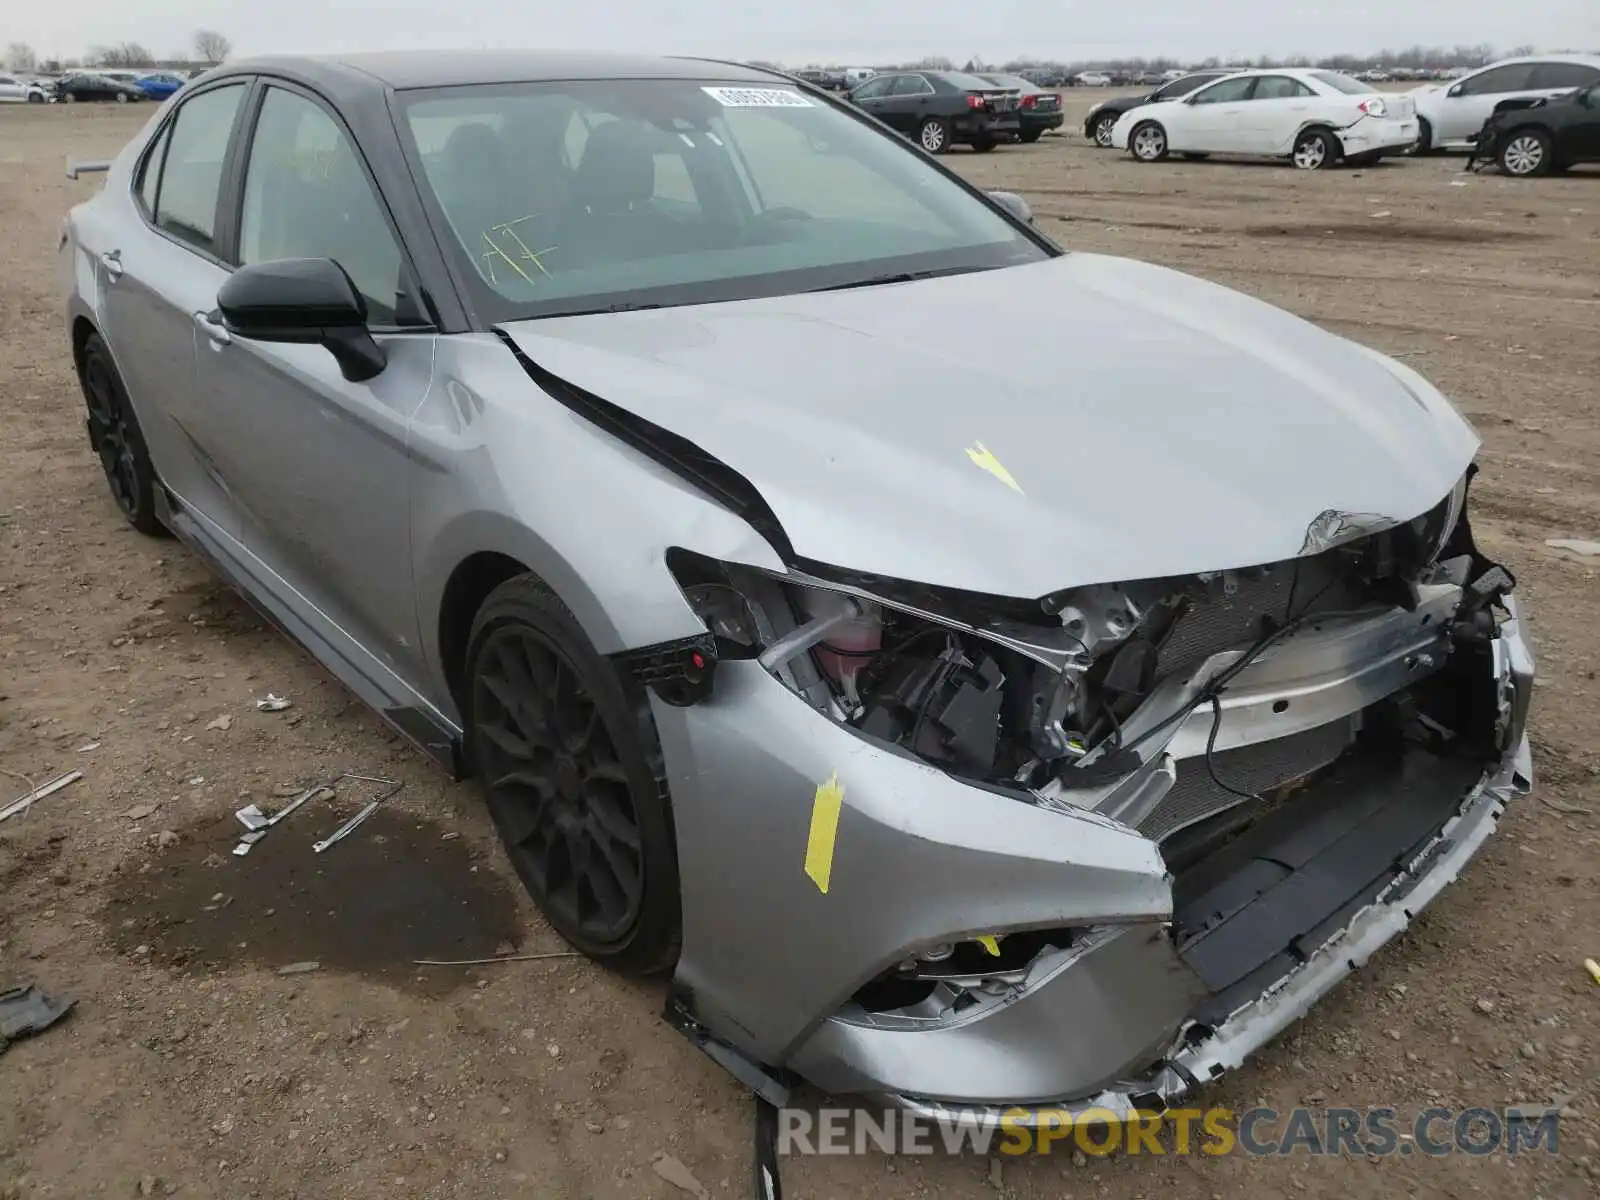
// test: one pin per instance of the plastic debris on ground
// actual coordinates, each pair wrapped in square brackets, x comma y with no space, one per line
[25,1011]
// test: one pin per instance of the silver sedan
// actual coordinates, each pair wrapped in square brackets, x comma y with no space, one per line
[981,674]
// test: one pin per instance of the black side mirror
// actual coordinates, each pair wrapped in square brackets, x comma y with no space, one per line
[310,301]
[1015,205]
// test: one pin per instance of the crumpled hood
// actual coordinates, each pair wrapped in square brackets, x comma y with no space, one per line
[1081,420]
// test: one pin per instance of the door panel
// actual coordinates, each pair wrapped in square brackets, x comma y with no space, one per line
[1462,115]
[154,280]
[1214,119]
[316,464]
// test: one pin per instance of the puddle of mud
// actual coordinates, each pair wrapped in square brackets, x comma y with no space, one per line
[392,892]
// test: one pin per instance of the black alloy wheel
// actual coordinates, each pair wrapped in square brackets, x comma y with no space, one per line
[568,781]
[115,437]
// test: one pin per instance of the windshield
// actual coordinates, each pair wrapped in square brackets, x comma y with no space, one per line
[1343,83]
[583,195]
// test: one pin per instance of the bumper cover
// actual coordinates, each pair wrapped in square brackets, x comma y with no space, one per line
[772,958]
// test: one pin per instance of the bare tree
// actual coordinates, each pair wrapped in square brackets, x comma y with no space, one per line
[21,58]
[211,46]
[124,54]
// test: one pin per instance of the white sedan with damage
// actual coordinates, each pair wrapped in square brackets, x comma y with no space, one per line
[1313,118]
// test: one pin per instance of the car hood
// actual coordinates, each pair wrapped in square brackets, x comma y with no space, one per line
[1084,419]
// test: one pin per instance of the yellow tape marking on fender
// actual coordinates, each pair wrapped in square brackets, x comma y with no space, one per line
[824,832]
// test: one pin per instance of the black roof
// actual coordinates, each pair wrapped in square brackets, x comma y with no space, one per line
[405,69]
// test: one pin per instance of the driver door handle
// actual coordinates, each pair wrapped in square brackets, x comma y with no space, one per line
[210,324]
[111,260]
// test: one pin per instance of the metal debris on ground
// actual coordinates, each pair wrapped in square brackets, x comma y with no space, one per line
[26,801]
[499,958]
[273,703]
[26,1010]
[1577,545]
[257,822]
[300,968]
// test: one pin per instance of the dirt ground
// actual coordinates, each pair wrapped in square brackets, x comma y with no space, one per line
[194,1066]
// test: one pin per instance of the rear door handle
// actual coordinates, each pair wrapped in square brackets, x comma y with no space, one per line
[210,324]
[111,260]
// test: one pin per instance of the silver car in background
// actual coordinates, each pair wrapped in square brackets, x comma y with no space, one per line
[689,458]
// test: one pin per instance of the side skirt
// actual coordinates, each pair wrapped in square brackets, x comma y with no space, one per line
[439,741]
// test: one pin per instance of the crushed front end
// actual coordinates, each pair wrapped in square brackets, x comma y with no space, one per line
[1089,850]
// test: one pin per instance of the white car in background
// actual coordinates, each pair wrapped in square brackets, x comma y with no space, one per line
[1093,79]
[18,89]
[1450,114]
[1313,118]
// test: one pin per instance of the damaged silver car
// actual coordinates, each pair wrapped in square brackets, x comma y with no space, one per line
[982,674]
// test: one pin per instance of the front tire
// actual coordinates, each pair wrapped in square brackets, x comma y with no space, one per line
[1148,142]
[35,98]
[1314,150]
[1196,155]
[1526,153]
[71,97]
[934,135]
[117,440]
[122,97]
[1103,125]
[566,756]
[1424,143]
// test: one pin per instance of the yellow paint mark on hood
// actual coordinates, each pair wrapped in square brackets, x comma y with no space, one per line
[983,457]
[824,832]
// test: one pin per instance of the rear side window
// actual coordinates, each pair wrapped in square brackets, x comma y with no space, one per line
[150,172]
[191,175]
[1564,75]
[1182,87]
[1279,87]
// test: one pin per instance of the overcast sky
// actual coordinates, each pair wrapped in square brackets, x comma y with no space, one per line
[791,31]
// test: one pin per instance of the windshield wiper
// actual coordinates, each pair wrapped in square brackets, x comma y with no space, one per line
[620,307]
[896,277]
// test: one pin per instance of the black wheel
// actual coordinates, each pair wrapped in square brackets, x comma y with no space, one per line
[934,135]
[983,145]
[1030,137]
[564,752]
[122,97]
[1196,155]
[1148,142]
[1103,125]
[35,98]
[71,97]
[1525,153]
[1314,150]
[115,436]
[1424,142]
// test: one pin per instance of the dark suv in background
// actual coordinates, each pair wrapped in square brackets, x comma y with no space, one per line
[1038,109]
[1102,117]
[938,109]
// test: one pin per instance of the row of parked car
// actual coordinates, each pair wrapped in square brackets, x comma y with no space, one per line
[1544,113]
[940,109]
[116,86]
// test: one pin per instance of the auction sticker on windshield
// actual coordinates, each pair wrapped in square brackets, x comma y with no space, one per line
[741,97]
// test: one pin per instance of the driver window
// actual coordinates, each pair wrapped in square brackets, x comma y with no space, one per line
[1515,77]
[874,88]
[1227,91]
[306,195]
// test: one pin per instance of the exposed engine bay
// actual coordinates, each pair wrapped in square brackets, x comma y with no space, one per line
[1052,697]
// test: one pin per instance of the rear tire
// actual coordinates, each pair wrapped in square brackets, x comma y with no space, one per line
[1314,150]
[1370,159]
[1029,138]
[565,753]
[35,98]
[1196,155]
[934,135]
[71,97]
[115,437]
[983,145]
[1148,142]
[1525,153]
[122,97]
